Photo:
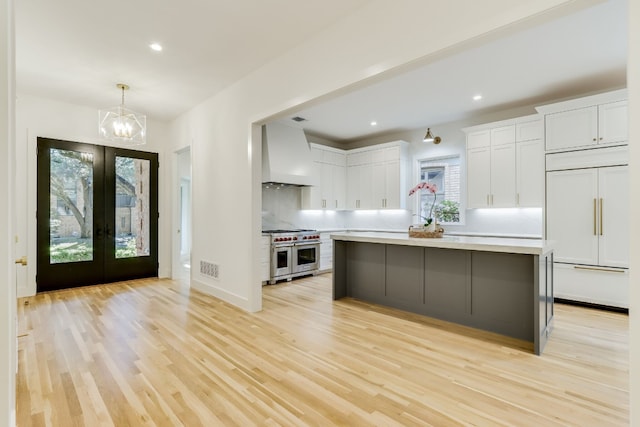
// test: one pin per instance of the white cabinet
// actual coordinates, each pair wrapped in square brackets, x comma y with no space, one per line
[505,164]
[386,185]
[265,258]
[326,252]
[330,167]
[588,215]
[479,177]
[376,177]
[588,218]
[530,173]
[587,208]
[359,186]
[587,122]
[478,139]
[503,175]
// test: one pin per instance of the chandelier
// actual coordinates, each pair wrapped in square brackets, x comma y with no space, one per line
[121,124]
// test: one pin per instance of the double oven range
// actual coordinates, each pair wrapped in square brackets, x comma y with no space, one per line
[294,253]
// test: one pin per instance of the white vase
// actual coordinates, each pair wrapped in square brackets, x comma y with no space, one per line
[431,227]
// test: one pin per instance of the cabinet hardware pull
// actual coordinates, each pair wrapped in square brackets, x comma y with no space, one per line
[601,220]
[601,138]
[518,199]
[595,139]
[606,270]
[487,200]
[595,214]
[492,200]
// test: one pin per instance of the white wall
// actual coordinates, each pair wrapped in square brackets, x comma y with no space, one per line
[227,150]
[633,83]
[8,355]
[41,117]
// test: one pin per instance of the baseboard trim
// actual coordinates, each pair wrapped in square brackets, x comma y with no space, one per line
[592,305]
[222,294]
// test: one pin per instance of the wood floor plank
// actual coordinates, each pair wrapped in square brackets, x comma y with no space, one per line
[155,353]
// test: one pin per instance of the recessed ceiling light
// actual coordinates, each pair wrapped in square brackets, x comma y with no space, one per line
[374,123]
[477,97]
[156,46]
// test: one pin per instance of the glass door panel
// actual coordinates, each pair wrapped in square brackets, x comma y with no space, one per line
[71,206]
[132,207]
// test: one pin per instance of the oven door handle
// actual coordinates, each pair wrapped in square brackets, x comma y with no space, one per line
[283,246]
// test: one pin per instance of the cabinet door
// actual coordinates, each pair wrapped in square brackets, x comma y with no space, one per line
[572,215]
[353,186]
[265,257]
[529,130]
[359,187]
[613,122]
[503,176]
[503,135]
[530,174]
[570,129]
[392,174]
[365,196]
[478,177]
[478,139]
[613,211]
[378,186]
[326,186]
[339,186]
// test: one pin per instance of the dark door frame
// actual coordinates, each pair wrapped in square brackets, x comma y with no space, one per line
[104,268]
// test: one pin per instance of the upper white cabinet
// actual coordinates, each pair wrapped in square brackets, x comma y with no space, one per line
[505,164]
[364,178]
[587,203]
[330,167]
[377,176]
[588,122]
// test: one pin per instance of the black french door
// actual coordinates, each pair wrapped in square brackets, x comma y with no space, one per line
[97,214]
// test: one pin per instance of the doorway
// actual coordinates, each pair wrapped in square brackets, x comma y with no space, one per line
[97,214]
[182,246]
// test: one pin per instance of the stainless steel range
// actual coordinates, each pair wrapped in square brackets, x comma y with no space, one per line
[294,253]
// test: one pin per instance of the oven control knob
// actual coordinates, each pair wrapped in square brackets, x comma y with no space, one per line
[295,238]
[277,239]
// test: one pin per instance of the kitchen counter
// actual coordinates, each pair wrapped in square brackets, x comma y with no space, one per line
[474,243]
[502,285]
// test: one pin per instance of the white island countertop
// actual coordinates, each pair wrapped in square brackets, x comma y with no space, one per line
[470,243]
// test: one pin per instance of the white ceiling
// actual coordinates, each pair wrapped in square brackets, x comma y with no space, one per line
[77,50]
[573,55]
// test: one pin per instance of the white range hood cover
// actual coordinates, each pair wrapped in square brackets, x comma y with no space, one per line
[286,156]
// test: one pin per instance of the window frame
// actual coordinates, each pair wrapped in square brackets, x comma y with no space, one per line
[445,162]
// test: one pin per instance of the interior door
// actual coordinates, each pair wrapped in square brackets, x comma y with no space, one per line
[97,213]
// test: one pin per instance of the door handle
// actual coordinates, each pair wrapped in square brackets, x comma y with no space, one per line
[601,221]
[606,270]
[22,260]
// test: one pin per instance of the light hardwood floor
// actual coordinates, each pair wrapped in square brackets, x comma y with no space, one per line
[154,353]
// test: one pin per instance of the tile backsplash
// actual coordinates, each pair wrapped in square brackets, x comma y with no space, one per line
[281,210]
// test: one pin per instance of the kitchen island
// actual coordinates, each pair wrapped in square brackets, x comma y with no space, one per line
[501,285]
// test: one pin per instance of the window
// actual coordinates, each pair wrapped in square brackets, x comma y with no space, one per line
[445,174]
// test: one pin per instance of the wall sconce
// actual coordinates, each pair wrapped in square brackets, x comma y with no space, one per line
[430,138]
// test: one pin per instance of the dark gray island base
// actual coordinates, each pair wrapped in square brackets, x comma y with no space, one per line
[470,281]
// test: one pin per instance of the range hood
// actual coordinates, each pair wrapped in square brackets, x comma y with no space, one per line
[286,156]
